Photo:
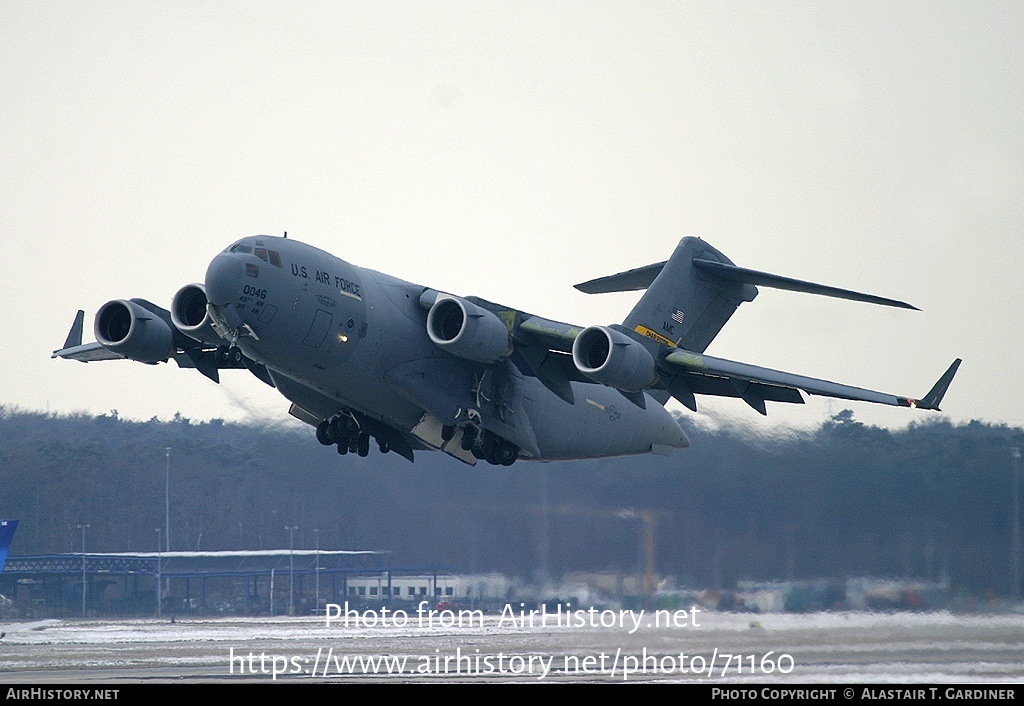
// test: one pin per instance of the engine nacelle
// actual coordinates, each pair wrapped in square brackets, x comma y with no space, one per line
[188,312]
[467,330]
[130,329]
[614,359]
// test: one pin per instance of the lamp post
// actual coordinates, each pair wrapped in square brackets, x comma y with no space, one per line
[159,574]
[316,535]
[83,528]
[291,568]
[1015,453]
[167,499]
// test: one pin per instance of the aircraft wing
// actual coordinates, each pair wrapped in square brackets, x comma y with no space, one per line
[74,350]
[554,334]
[686,373]
[87,353]
[189,353]
[544,350]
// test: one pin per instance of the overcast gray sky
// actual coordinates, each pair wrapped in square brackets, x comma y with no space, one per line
[510,150]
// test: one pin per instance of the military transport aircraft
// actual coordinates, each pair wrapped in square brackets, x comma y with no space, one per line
[362,355]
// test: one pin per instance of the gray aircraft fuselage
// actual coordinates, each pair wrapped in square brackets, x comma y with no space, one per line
[336,336]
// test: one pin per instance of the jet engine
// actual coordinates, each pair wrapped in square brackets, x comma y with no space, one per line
[612,358]
[467,330]
[128,328]
[188,312]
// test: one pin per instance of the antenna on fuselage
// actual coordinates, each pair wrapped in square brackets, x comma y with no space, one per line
[286,234]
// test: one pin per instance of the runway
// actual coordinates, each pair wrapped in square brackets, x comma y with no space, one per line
[891,648]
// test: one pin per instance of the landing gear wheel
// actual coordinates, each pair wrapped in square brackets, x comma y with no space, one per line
[505,453]
[323,433]
[363,444]
[468,438]
[343,447]
[447,432]
[486,449]
[337,430]
[234,355]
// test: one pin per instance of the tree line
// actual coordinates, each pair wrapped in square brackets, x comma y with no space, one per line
[931,501]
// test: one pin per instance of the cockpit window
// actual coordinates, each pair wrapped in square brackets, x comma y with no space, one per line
[275,258]
[261,253]
[238,247]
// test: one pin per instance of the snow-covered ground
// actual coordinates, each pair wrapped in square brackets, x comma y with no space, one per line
[821,647]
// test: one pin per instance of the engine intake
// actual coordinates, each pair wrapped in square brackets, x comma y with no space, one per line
[189,315]
[467,330]
[614,359]
[130,329]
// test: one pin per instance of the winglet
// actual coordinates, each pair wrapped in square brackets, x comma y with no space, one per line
[75,334]
[935,395]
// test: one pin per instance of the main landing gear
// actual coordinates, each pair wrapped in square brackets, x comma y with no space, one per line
[230,356]
[484,445]
[347,432]
[351,432]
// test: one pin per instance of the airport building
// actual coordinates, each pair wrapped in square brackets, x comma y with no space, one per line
[240,582]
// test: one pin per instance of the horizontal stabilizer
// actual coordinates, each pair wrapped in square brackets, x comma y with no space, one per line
[765,279]
[628,281]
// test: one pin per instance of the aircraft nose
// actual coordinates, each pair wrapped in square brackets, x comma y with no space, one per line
[223,278]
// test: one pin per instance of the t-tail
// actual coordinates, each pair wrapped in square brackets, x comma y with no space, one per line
[691,296]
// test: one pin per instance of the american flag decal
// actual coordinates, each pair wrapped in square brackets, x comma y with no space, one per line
[677,316]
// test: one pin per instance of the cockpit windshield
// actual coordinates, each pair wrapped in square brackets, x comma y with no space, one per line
[271,256]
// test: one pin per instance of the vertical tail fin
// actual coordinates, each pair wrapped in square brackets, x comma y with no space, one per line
[683,306]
